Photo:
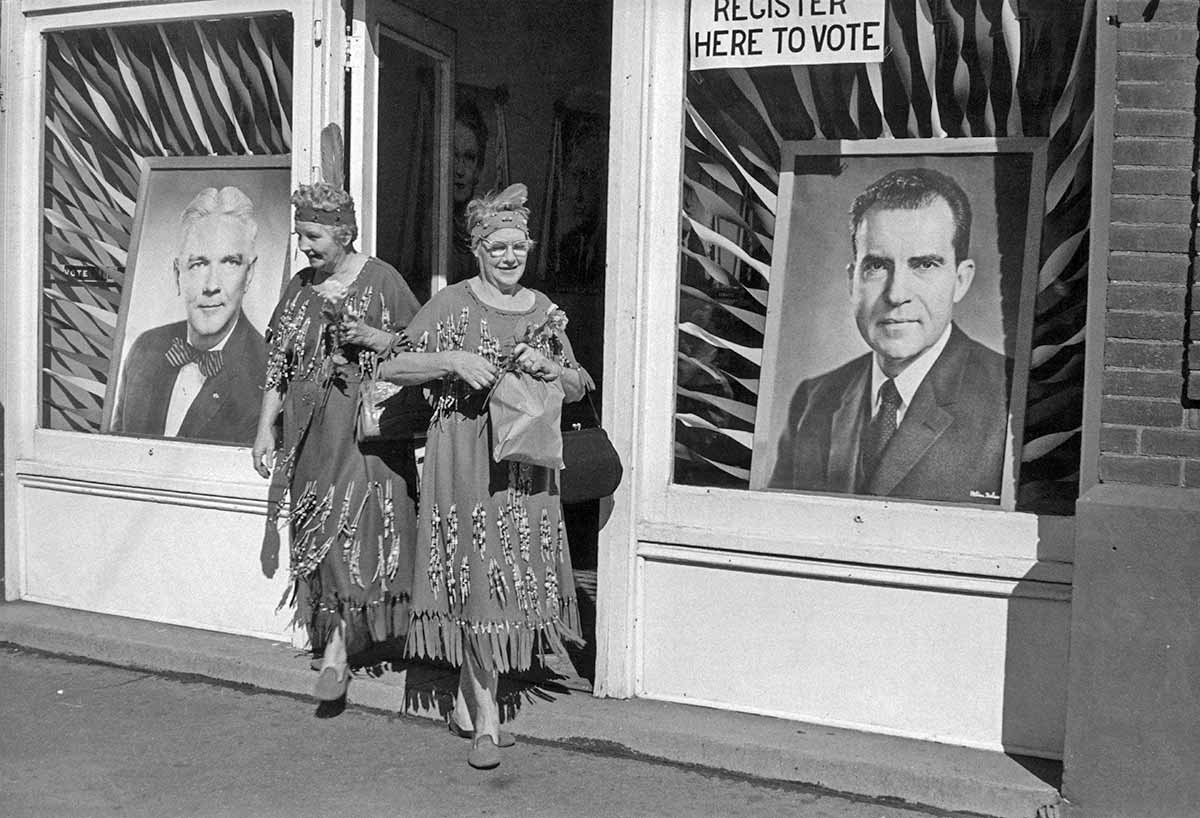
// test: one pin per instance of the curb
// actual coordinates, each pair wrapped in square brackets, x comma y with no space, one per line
[862,766]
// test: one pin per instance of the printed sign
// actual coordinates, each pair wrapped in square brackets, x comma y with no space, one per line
[749,33]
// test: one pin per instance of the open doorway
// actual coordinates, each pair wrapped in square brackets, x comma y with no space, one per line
[461,99]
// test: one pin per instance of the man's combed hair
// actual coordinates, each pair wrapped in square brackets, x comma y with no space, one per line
[228,201]
[467,112]
[910,189]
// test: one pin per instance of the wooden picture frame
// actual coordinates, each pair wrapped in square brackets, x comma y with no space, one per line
[811,329]
[153,312]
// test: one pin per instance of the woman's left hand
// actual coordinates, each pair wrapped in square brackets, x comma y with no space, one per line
[358,332]
[533,362]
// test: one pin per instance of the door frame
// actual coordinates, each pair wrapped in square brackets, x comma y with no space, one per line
[370,20]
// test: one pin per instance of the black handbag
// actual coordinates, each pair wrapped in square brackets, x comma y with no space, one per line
[591,467]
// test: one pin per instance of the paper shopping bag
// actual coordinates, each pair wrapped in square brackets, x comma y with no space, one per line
[525,414]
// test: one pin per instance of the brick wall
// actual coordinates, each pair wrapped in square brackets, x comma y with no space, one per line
[1150,414]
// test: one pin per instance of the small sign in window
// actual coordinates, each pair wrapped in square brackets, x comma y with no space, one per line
[90,274]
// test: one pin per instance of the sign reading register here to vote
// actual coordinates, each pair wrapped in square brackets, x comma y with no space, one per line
[748,33]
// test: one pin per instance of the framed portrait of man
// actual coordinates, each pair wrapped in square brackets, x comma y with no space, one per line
[899,319]
[207,263]
[573,232]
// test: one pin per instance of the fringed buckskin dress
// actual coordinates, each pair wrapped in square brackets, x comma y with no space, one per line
[493,565]
[353,506]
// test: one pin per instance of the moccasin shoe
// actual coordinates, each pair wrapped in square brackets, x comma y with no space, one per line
[506,739]
[330,685]
[485,755]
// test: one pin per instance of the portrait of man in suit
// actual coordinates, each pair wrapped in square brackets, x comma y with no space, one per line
[200,378]
[924,413]
[469,146]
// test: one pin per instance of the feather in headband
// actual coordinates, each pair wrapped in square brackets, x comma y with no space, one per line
[506,209]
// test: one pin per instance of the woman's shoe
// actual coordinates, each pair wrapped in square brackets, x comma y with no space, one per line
[485,755]
[331,685]
[506,738]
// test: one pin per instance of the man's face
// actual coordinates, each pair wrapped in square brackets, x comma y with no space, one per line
[213,269]
[904,281]
[467,161]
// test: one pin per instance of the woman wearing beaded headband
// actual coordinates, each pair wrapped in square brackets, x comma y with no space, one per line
[493,575]
[353,506]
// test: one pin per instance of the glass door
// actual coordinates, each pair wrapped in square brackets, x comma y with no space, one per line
[401,102]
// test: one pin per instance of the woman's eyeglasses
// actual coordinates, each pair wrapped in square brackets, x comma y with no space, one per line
[500,249]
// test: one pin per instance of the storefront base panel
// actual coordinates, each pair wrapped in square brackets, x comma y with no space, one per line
[969,661]
[196,562]
[1133,726]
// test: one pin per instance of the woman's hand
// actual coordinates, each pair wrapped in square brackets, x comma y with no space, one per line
[533,362]
[263,451]
[474,370]
[358,332]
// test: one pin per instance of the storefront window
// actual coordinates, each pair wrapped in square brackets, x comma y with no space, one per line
[165,224]
[775,155]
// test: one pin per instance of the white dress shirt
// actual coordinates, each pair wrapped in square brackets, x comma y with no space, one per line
[908,380]
[188,384]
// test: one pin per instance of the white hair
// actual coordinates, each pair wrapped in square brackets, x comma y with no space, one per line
[228,201]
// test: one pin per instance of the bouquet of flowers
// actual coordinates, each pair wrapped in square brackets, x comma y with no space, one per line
[340,305]
[542,337]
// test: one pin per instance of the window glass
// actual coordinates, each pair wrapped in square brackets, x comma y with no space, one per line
[969,70]
[165,219]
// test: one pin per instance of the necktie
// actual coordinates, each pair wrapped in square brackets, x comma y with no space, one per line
[882,427]
[182,353]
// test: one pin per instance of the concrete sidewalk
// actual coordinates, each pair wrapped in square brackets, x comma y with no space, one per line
[901,770]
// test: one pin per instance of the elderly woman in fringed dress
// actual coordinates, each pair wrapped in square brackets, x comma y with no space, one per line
[493,580]
[353,506]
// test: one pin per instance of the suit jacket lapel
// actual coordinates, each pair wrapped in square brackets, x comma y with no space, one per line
[846,432]
[925,420]
[161,380]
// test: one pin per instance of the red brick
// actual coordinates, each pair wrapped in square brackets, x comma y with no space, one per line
[1169,268]
[1157,67]
[1162,96]
[1151,471]
[1175,181]
[1168,442]
[1157,13]
[1119,439]
[1159,153]
[1147,326]
[1159,237]
[1158,39]
[1142,384]
[1191,473]
[1163,356]
[1152,209]
[1151,181]
[1146,297]
[1139,122]
[1141,412]
[1193,385]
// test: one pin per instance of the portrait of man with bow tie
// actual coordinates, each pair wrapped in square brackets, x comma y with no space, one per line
[200,378]
[895,378]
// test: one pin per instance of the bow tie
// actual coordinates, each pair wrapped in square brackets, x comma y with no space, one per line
[182,353]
